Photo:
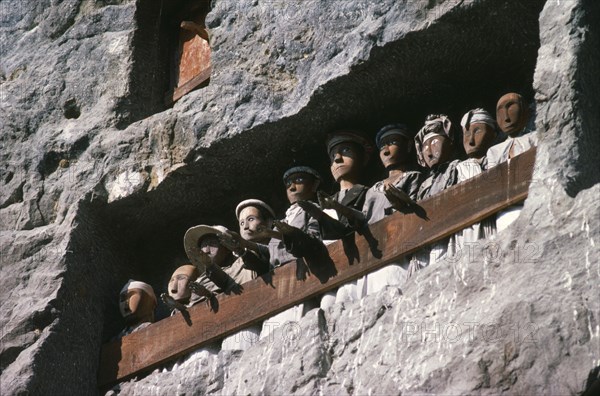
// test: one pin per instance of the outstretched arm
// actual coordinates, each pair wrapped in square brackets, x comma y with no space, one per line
[256,262]
[297,242]
[172,303]
[330,227]
[220,278]
[234,242]
[250,252]
[200,290]
[398,198]
[356,219]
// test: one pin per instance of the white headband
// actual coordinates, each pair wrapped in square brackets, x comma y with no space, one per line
[478,116]
[133,284]
[432,134]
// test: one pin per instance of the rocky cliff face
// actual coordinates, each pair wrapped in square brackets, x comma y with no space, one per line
[99,182]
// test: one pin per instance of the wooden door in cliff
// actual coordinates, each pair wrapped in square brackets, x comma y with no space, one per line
[192,65]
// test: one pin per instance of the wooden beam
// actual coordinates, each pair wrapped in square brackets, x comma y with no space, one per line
[201,80]
[397,235]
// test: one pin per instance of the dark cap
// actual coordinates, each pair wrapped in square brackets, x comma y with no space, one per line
[301,169]
[392,129]
[346,135]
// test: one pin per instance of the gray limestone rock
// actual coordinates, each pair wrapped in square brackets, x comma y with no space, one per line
[99,181]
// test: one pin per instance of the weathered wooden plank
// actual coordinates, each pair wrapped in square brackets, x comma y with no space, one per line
[195,54]
[397,235]
[200,80]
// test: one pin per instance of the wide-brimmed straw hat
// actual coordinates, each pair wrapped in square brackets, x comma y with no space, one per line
[191,243]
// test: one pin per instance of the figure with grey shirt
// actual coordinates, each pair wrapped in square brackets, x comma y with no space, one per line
[396,151]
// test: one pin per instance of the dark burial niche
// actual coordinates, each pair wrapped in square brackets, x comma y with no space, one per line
[467,59]
[155,49]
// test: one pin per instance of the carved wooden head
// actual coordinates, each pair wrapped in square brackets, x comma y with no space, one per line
[301,186]
[178,284]
[512,114]
[347,161]
[137,304]
[436,150]
[396,149]
[479,132]
[252,220]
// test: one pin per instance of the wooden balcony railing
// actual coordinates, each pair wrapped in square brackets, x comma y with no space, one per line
[396,236]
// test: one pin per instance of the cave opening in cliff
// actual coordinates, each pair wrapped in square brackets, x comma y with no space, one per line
[189,48]
[171,56]
[468,59]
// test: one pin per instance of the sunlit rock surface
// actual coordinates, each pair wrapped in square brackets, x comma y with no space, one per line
[99,182]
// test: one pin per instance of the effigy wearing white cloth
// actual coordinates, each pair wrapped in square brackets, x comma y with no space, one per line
[500,153]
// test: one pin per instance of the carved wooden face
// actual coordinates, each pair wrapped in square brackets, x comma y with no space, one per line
[211,246]
[346,161]
[478,139]
[395,150]
[135,305]
[178,287]
[251,222]
[301,187]
[436,150]
[511,115]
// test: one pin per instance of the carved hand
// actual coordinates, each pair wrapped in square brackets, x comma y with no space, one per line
[232,241]
[296,241]
[171,303]
[327,201]
[286,229]
[200,290]
[234,288]
[398,198]
[336,228]
[312,209]
[355,218]
[264,232]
